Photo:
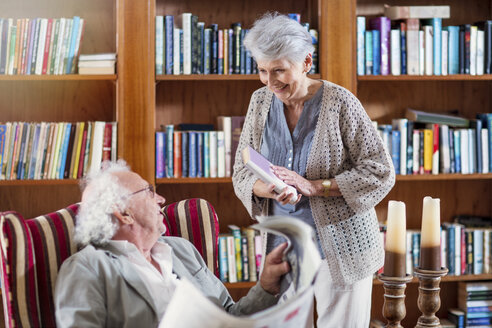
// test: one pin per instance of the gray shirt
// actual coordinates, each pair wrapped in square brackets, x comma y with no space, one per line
[291,151]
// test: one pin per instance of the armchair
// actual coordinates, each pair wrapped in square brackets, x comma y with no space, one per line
[32,251]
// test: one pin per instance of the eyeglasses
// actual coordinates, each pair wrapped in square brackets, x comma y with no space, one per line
[149,188]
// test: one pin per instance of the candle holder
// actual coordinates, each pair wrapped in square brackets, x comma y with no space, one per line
[429,300]
[394,299]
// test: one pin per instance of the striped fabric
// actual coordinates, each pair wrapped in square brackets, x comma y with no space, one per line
[196,220]
[32,252]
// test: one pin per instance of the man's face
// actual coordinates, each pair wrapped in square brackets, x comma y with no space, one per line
[143,205]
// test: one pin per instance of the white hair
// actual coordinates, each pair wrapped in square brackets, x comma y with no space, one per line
[275,36]
[95,223]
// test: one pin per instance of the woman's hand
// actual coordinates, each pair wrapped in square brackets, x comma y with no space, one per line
[264,190]
[303,185]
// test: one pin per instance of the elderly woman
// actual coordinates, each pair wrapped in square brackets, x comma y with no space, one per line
[321,142]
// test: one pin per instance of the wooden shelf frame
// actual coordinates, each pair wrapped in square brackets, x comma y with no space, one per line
[66,77]
[417,78]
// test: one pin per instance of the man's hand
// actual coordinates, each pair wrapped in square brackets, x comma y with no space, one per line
[273,269]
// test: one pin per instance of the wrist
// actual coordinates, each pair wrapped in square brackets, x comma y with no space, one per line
[326,184]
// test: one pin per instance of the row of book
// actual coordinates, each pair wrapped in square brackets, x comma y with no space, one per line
[192,48]
[422,147]
[240,254]
[55,150]
[474,305]
[40,45]
[422,47]
[464,250]
[197,150]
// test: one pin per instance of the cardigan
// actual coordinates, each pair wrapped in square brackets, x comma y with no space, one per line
[99,287]
[346,147]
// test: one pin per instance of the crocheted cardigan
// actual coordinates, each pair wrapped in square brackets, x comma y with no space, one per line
[348,148]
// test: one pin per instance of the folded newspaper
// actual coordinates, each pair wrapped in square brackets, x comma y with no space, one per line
[189,308]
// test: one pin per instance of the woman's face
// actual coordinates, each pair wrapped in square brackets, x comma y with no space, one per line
[284,78]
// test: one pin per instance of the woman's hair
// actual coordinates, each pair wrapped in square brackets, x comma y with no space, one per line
[275,36]
[104,194]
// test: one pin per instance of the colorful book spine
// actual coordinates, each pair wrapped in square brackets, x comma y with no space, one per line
[159,154]
[159,44]
[169,46]
[376,52]
[192,152]
[223,266]
[428,150]
[169,150]
[231,259]
[383,25]
[199,154]
[361,31]
[206,154]
[368,53]
[185,154]
[177,154]
[395,150]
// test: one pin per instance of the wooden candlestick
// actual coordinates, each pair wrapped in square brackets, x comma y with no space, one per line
[429,300]
[394,299]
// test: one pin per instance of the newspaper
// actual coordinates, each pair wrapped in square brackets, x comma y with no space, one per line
[189,308]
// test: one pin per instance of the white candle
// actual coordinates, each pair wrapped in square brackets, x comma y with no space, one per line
[396,246]
[430,238]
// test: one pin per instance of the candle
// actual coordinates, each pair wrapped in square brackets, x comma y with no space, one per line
[396,246]
[430,238]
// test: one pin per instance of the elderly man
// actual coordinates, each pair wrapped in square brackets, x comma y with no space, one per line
[125,275]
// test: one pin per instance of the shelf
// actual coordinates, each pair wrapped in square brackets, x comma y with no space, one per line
[437,177]
[192,180]
[216,77]
[456,77]
[66,77]
[468,277]
[240,285]
[51,182]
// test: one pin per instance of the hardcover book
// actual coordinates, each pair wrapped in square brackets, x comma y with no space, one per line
[261,167]
[428,117]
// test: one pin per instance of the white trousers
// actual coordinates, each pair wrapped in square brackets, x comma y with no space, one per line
[347,306]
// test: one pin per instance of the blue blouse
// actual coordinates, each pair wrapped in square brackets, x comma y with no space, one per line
[282,148]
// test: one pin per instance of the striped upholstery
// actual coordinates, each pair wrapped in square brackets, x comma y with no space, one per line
[196,220]
[32,252]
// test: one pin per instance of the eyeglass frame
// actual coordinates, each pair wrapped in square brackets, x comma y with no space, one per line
[148,188]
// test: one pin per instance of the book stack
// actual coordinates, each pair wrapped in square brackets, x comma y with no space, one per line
[431,143]
[475,300]
[97,63]
[56,150]
[191,47]
[240,254]
[40,45]
[412,40]
[197,150]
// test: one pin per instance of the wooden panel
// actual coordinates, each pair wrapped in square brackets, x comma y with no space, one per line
[201,101]
[337,46]
[229,209]
[32,201]
[225,13]
[386,100]
[135,86]
[457,197]
[57,101]
[100,27]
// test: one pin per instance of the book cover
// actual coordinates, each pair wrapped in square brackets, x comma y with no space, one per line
[457,150]
[231,259]
[224,123]
[428,117]
[199,154]
[159,44]
[223,266]
[213,154]
[186,27]
[444,52]
[428,150]
[236,233]
[486,119]
[185,163]
[376,52]
[83,147]
[192,153]
[60,169]
[261,167]
[206,154]
[395,52]
[250,235]
[368,53]
[401,125]
[244,258]
[395,149]
[76,158]
[97,145]
[169,150]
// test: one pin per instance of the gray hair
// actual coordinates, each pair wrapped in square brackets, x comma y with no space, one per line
[275,36]
[95,223]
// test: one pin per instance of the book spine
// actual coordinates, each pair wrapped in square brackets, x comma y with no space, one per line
[457,150]
[412,46]
[250,235]
[383,25]
[220,154]
[368,53]
[376,52]
[199,154]
[41,45]
[159,154]
[395,150]
[403,48]
[194,45]
[177,154]
[184,154]
[478,246]
[231,259]
[361,30]
[69,149]
[200,46]
[223,267]
[452,162]
[453,50]
[177,51]
[207,36]
[186,20]
[225,42]
[244,259]
[169,31]
[395,52]
[409,146]
[192,152]
[237,48]
[213,154]
[416,151]
[465,163]
[47,43]
[214,49]
[473,50]
[435,148]
[206,154]
[236,233]
[106,150]
[428,150]
[444,52]
[169,150]
[220,52]
[480,52]
[436,44]
[159,44]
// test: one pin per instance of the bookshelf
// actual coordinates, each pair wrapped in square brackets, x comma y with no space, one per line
[387,97]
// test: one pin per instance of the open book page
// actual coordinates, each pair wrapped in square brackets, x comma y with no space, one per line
[189,308]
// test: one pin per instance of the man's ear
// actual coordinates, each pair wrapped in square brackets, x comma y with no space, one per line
[124,218]
[308,62]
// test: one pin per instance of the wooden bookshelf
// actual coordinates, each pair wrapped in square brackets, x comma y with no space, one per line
[214,77]
[47,182]
[192,180]
[67,77]
[386,98]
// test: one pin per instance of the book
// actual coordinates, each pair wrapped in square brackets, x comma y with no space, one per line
[383,25]
[98,56]
[224,123]
[457,317]
[404,12]
[428,117]
[159,154]
[223,267]
[261,167]
[97,70]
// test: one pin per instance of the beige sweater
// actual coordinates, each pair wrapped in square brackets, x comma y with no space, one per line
[346,147]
